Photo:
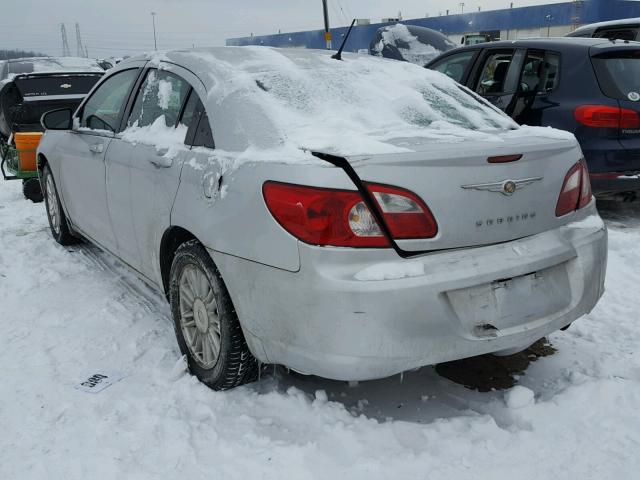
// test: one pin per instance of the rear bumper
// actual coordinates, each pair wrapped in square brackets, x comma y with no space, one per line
[343,315]
[604,185]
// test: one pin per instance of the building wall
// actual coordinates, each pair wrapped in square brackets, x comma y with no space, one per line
[535,21]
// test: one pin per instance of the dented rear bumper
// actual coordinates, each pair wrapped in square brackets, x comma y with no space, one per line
[363,314]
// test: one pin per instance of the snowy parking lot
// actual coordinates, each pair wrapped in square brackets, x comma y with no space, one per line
[69,313]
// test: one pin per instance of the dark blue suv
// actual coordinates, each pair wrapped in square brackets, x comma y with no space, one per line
[590,87]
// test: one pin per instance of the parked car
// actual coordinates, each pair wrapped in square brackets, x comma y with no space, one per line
[28,88]
[350,219]
[624,29]
[409,43]
[586,86]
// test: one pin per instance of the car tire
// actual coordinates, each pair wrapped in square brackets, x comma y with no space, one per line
[32,191]
[206,324]
[55,214]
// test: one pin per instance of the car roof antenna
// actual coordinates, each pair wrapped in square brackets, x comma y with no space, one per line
[338,56]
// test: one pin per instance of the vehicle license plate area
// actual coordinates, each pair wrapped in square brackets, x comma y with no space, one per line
[486,309]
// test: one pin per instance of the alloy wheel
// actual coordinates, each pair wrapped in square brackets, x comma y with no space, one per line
[199,320]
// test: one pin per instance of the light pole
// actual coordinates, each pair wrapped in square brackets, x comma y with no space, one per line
[153,19]
[327,31]
[462,6]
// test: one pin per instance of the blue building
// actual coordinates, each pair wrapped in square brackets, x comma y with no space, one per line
[552,20]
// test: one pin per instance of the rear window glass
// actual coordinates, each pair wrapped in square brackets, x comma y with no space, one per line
[619,74]
[619,34]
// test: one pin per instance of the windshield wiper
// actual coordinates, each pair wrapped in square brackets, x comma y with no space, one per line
[338,56]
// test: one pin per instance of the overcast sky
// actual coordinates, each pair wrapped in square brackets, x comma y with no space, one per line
[119,27]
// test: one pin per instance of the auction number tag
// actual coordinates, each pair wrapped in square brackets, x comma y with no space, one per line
[98,382]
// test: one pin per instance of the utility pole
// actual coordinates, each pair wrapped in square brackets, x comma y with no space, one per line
[327,31]
[153,19]
[462,7]
[66,52]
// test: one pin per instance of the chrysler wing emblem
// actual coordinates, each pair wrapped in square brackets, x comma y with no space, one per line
[506,187]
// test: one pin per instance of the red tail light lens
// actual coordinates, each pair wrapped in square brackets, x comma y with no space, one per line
[405,214]
[321,216]
[602,116]
[576,190]
[341,218]
[585,191]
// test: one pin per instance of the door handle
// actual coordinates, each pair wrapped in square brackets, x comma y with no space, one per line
[97,147]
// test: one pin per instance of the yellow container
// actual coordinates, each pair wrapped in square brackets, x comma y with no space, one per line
[26,145]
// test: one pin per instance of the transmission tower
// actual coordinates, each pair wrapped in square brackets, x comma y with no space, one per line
[82,51]
[576,14]
[66,52]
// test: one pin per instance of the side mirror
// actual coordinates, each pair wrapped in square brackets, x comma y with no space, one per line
[57,119]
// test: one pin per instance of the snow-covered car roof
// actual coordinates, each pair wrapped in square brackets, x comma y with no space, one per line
[304,99]
[21,66]
[610,23]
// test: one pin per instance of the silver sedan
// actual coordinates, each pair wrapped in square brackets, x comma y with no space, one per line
[351,219]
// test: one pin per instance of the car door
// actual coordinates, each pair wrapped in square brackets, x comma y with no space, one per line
[539,79]
[82,166]
[496,79]
[144,162]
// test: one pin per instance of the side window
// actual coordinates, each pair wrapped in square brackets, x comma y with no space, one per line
[551,73]
[495,76]
[621,34]
[102,110]
[204,136]
[162,94]
[191,116]
[540,73]
[454,66]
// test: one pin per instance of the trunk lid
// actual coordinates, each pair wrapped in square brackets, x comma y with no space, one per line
[466,193]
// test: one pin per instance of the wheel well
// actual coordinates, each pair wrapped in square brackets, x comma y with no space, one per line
[42,161]
[171,240]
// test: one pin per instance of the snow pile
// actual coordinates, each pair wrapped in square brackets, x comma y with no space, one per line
[408,45]
[519,397]
[165,91]
[68,313]
[167,140]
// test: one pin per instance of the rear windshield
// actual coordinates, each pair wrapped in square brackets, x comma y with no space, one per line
[619,74]
[40,65]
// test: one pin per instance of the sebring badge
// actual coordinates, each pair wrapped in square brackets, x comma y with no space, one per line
[506,187]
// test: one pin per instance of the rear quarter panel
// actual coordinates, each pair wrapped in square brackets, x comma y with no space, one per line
[234,218]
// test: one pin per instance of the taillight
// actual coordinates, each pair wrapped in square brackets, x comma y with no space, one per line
[321,216]
[341,218]
[602,116]
[576,190]
[405,214]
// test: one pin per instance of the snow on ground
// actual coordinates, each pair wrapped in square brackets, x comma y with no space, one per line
[68,313]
